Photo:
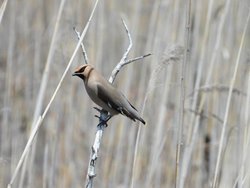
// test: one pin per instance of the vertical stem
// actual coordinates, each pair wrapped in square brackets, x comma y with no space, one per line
[5,128]
[2,9]
[40,98]
[95,148]
[218,162]
[182,96]
[41,118]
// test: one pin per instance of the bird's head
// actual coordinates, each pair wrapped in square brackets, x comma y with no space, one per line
[83,71]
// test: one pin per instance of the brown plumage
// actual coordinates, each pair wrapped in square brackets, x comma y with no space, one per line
[105,94]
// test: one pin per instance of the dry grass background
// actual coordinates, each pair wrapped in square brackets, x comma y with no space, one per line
[63,143]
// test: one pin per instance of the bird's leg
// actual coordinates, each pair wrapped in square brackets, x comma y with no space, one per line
[98,110]
[104,117]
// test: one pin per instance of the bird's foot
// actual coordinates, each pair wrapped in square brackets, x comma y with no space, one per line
[104,117]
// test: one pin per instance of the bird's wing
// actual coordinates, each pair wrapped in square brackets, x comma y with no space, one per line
[131,104]
[113,99]
[105,95]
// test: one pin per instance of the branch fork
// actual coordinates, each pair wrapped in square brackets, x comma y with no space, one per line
[104,115]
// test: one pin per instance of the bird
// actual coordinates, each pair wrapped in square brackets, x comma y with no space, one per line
[104,94]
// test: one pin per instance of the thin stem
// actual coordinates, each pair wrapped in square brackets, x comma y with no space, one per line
[136,59]
[86,59]
[124,57]
[2,9]
[41,118]
[41,95]
[218,162]
[182,96]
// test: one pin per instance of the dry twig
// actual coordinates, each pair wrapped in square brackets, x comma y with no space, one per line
[86,59]
[180,141]
[104,115]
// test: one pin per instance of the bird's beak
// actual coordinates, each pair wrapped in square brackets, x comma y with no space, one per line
[75,74]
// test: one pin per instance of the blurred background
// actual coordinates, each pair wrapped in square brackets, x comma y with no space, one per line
[36,45]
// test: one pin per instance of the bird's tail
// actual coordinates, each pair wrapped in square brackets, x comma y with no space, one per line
[142,120]
[134,115]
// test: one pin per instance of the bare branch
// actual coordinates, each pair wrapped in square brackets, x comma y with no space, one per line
[124,60]
[95,148]
[136,59]
[104,116]
[124,57]
[83,48]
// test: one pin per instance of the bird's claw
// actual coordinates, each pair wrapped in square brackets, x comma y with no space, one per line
[98,109]
[108,117]
[104,119]
[97,116]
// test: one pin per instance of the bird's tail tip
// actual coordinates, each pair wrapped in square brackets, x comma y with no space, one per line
[142,120]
